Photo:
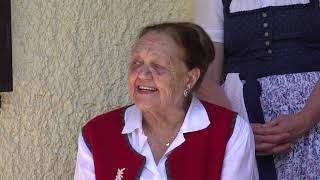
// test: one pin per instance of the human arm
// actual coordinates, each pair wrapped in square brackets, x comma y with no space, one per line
[311,111]
[239,160]
[280,134]
[84,165]
[209,15]
[210,89]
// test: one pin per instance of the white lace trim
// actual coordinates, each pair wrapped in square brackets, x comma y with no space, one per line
[247,5]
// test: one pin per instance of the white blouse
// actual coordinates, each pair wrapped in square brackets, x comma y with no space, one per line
[209,13]
[239,161]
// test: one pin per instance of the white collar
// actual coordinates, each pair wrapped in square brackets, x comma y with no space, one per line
[196,118]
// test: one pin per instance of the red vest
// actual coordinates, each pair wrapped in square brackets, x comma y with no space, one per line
[200,157]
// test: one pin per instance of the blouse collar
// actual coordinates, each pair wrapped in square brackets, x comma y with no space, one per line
[196,118]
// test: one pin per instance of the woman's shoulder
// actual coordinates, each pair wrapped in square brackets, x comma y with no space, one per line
[216,108]
[241,128]
[108,118]
[238,123]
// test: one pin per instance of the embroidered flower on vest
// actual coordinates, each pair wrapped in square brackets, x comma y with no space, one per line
[120,173]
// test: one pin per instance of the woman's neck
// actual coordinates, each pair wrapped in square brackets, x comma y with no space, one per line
[161,128]
[167,118]
[162,120]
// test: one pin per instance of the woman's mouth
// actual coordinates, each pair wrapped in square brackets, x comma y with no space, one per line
[146,89]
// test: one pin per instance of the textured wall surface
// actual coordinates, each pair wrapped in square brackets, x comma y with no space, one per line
[70,60]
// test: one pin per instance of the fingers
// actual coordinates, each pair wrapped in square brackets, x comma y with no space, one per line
[273,139]
[264,147]
[279,149]
[272,123]
[268,129]
[272,127]
[266,125]
[282,148]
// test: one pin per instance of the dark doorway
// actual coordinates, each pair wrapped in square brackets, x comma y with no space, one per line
[5,46]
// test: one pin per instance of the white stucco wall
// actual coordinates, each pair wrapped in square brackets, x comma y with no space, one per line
[69,60]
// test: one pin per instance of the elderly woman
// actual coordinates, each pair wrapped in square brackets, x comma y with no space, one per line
[168,133]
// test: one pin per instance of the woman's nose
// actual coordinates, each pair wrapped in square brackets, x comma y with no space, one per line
[145,72]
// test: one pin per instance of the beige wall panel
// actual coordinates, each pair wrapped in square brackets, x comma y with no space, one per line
[70,61]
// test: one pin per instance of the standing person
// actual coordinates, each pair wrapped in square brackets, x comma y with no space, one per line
[168,133]
[271,53]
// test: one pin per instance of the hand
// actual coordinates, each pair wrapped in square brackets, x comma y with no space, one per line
[268,144]
[280,134]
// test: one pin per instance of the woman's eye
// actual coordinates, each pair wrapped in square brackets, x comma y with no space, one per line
[159,68]
[136,63]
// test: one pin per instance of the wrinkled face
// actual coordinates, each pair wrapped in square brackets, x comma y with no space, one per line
[157,76]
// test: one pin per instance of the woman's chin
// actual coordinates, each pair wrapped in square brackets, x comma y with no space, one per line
[146,105]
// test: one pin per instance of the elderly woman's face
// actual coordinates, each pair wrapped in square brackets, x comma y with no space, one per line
[157,75]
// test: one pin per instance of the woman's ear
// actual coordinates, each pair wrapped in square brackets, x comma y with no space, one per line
[193,77]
